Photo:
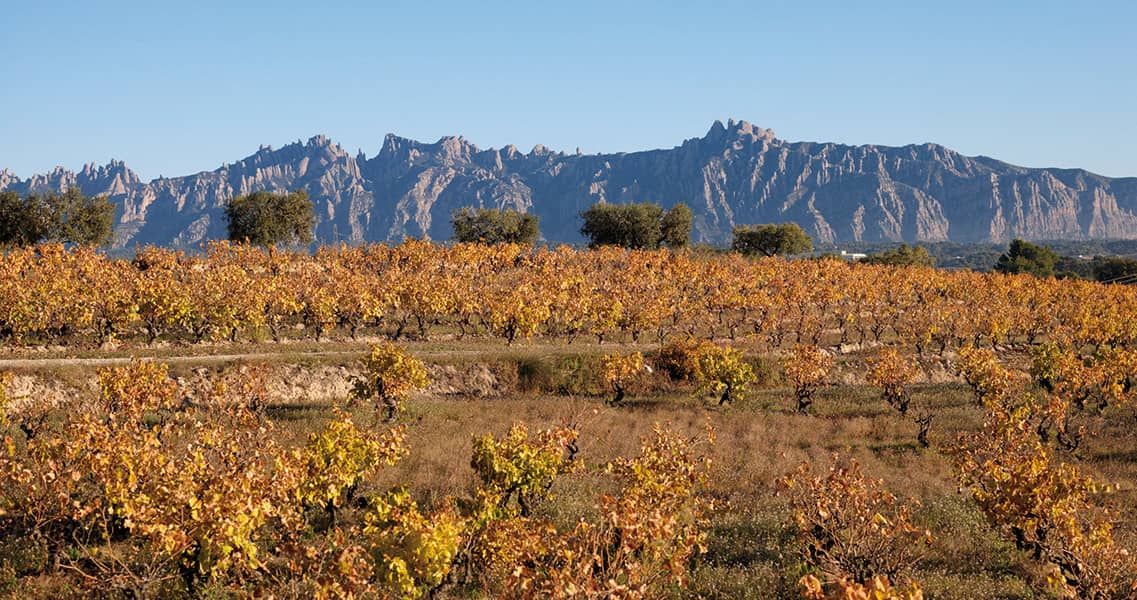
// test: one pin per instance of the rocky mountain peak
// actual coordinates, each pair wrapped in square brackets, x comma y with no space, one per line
[737,130]
[455,149]
[7,179]
[738,173]
[393,145]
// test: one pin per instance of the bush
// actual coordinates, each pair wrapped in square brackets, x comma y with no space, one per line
[390,374]
[722,370]
[521,467]
[1115,269]
[849,526]
[621,372]
[580,375]
[893,373]
[807,368]
[677,358]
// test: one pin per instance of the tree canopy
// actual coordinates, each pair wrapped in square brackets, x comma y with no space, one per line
[70,217]
[904,256]
[640,225]
[494,226]
[264,218]
[771,239]
[1115,269]
[676,227]
[1025,257]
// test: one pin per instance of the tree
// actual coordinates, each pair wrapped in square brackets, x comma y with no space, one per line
[23,221]
[69,217]
[1025,257]
[676,227]
[904,256]
[641,225]
[264,218]
[79,219]
[1115,269]
[493,226]
[771,239]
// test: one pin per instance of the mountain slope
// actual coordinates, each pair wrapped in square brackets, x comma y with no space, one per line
[736,174]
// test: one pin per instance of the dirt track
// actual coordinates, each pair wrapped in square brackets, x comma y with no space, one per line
[284,354]
[41,363]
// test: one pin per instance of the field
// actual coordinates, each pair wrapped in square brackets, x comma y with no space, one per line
[204,480]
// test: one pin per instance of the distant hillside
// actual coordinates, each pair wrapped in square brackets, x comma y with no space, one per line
[736,174]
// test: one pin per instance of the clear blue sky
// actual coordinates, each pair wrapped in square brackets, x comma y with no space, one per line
[178,87]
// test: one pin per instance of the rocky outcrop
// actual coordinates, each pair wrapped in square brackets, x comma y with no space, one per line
[736,174]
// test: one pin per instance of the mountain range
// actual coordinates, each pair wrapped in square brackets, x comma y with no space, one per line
[735,174]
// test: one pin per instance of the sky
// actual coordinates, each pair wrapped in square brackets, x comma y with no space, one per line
[173,88]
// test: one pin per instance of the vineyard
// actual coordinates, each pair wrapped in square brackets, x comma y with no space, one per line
[644,424]
[414,290]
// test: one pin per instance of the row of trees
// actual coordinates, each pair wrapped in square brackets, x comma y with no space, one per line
[265,218]
[637,226]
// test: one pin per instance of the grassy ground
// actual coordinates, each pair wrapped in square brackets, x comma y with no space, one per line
[751,550]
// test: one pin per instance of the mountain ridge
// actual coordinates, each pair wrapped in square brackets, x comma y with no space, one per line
[737,173]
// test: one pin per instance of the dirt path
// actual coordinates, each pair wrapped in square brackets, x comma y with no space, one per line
[284,355]
[45,363]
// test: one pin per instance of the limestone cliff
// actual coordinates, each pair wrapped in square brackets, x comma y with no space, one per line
[736,174]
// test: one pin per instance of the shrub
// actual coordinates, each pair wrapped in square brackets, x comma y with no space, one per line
[849,526]
[335,460]
[677,358]
[412,551]
[140,387]
[1047,507]
[893,373]
[807,369]
[519,468]
[846,589]
[720,370]
[621,371]
[903,256]
[390,374]
[643,543]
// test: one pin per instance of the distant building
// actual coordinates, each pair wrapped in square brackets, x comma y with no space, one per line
[853,256]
